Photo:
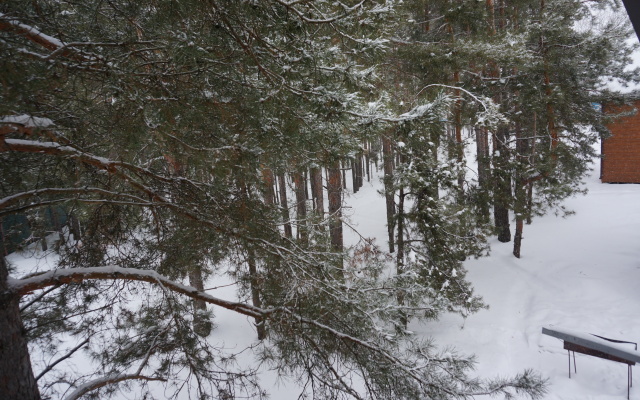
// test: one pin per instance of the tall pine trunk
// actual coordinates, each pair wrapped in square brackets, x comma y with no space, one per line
[284,205]
[484,173]
[301,207]
[316,191]
[254,278]
[269,192]
[255,291]
[502,184]
[202,325]
[520,195]
[16,375]
[354,175]
[334,190]
[402,317]
[387,157]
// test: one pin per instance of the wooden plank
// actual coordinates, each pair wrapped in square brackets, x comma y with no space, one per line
[595,353]
[594,343]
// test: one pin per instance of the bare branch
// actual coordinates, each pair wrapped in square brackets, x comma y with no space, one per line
[59,360]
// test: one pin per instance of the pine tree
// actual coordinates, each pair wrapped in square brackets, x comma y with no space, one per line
[115,96]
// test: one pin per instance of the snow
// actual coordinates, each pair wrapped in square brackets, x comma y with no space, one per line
[26,120]
[34,32]
[595,343]
[580,273]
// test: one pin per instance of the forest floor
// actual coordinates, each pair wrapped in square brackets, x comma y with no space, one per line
[581,273]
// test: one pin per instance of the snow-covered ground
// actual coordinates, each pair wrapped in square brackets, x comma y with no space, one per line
[580,273]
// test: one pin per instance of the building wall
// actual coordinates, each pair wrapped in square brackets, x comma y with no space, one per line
[621,151]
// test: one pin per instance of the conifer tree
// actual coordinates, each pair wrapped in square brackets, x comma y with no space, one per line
[101,101]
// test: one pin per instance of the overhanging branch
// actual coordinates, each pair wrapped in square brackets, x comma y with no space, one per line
[76,275]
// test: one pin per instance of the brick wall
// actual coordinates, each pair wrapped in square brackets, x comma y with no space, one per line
[621,152]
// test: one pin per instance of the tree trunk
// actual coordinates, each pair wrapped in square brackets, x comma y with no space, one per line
[301,208]
[354,175]
[288,232]
[269,192]
[517,238]
[202,325]
[334,189]
[502,182]
[459,146]
[316,190]
[484,173]
[255,292]
[520,195]
[367,160]
[5,251]
[359,169]
[402,317]
[16,376]
[74,227]
[387,156]
[254,279]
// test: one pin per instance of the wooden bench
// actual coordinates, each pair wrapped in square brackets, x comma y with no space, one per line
[597,346]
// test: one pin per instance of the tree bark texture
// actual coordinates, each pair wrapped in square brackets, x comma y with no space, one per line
[316,190]
[520,195]
[334,189]
[359,169]
[269,193]
[484,173]
[255,292]
[459,146]
[288,232]
[367,160]
[301,207]
[387,157]
[17,381]
[402,318]
[201,323]
[354,175]
[502,185]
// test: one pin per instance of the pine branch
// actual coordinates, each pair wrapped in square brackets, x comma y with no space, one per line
[108,380]
[59,360]
[76,275]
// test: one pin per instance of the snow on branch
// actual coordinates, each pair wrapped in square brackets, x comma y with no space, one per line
[27,121]
[75,275]
[31,33]
[291,6]
[23,124]
[57,46]
[484,102]
[111,166]
[107,380]
[413,367]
